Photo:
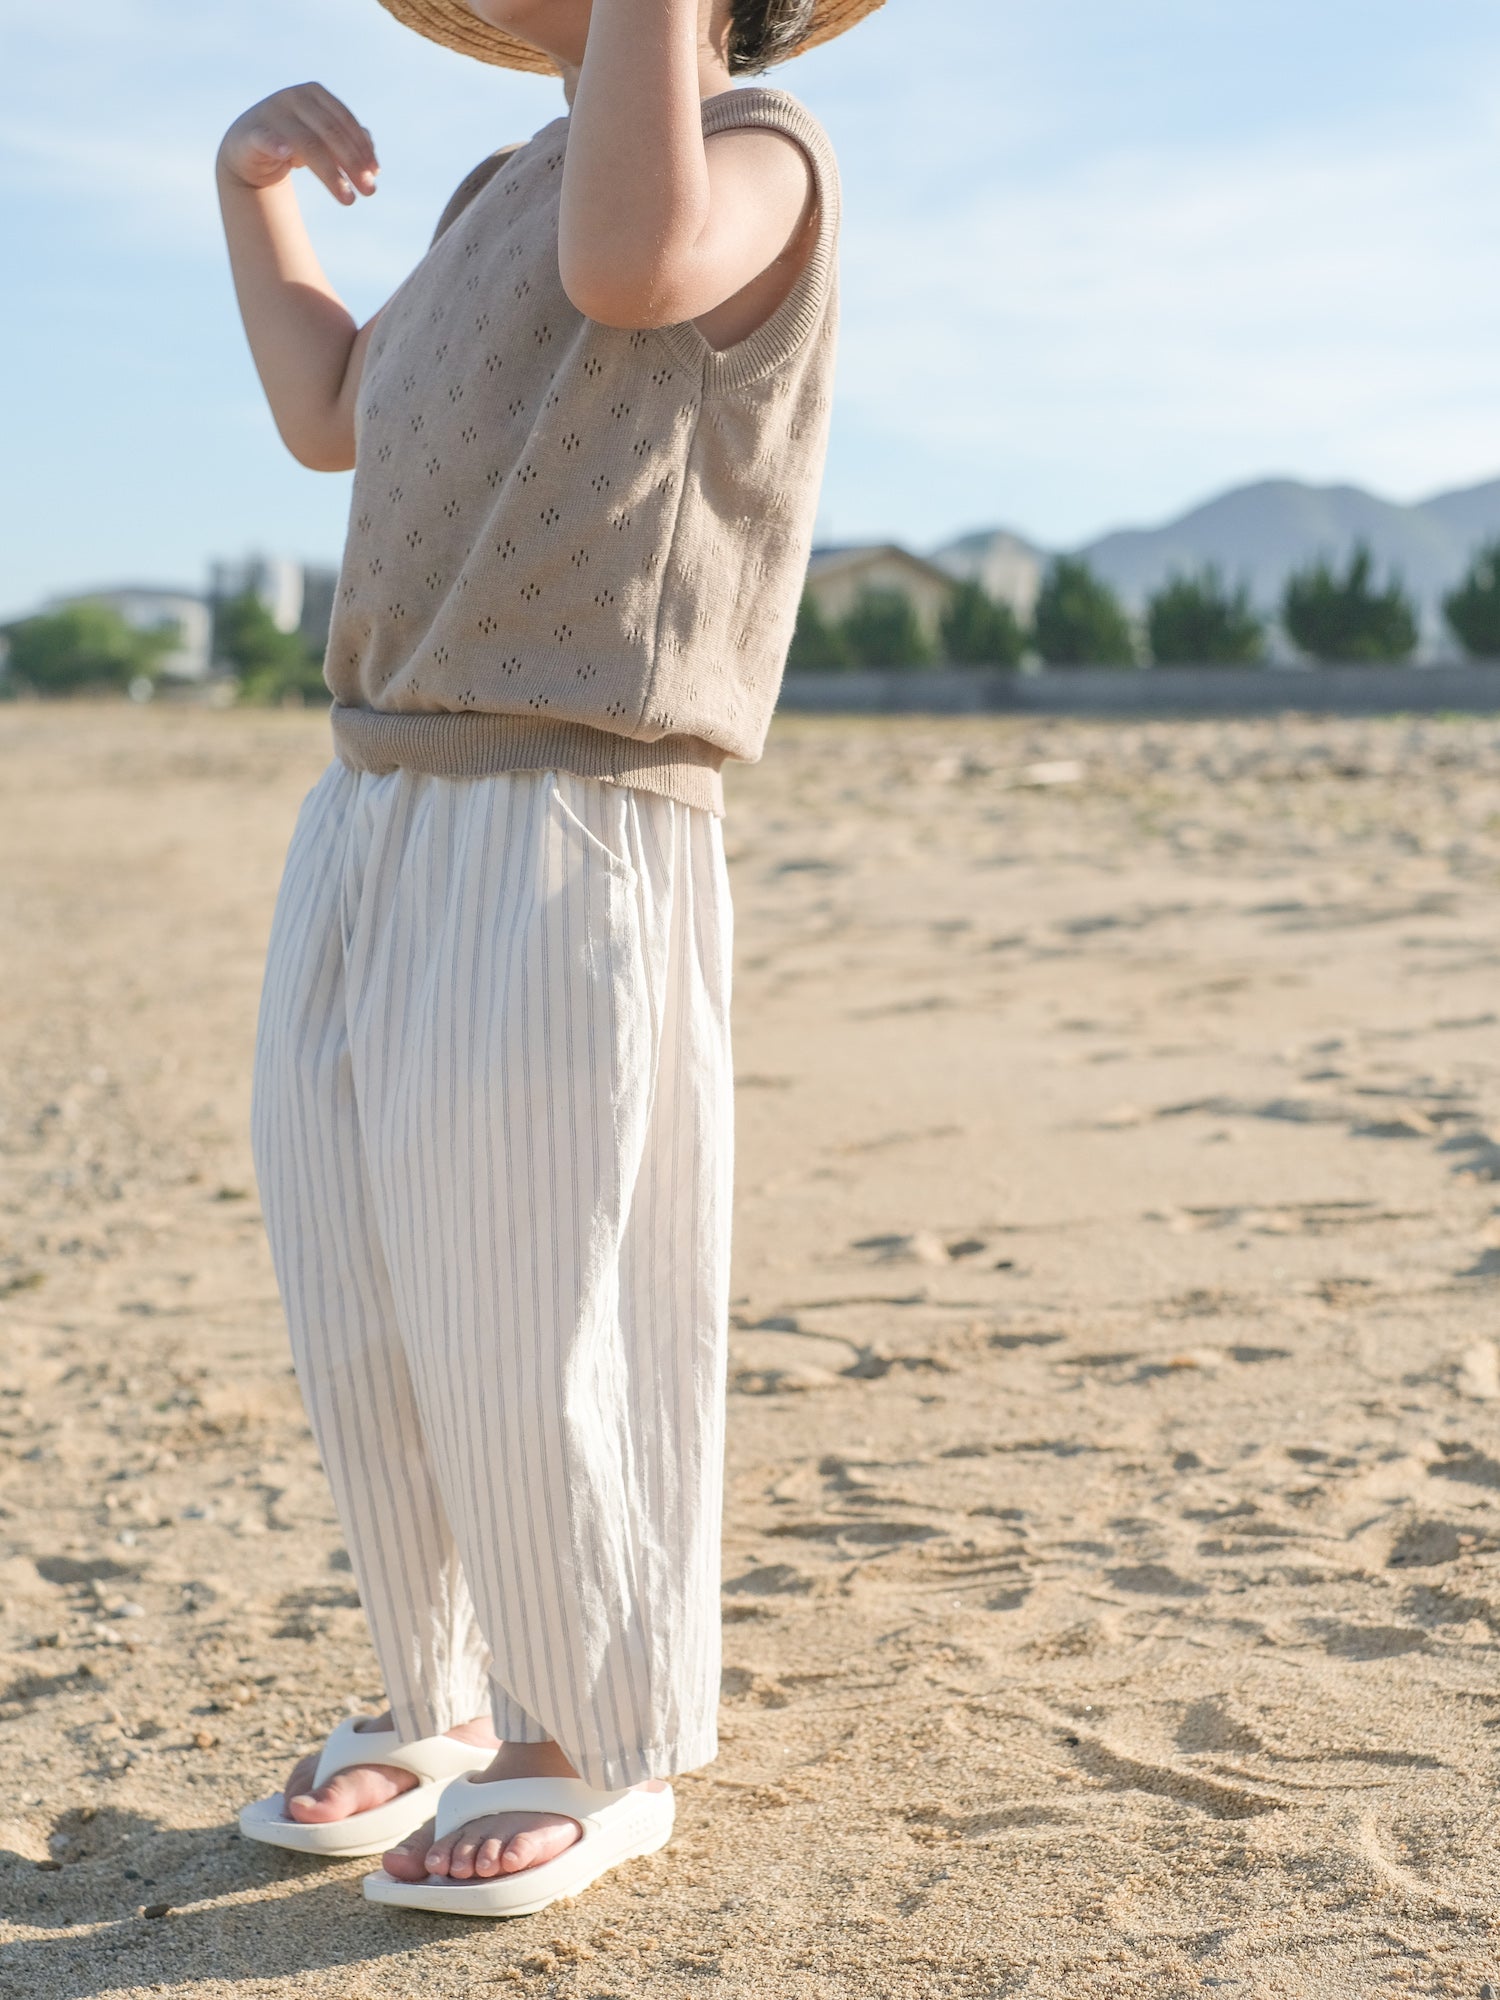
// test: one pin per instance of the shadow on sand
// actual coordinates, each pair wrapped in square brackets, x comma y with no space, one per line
[237,1911]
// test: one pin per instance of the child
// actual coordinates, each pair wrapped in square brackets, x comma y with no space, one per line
[493,1112]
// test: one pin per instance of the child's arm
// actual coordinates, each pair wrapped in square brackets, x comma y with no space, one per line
[656,225]
[307,348]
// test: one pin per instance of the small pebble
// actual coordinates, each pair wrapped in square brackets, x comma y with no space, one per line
[203,1739]
[156,1910]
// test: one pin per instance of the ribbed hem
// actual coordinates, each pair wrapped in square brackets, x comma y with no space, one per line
[476,744]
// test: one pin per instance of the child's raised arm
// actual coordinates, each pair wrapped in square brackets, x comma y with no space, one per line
[307,348]
[656,225]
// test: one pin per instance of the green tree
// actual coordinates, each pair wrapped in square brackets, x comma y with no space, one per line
[1473,610]
[271,664]
[84,646]
[980,631]
[1079,622]
[1344,617]
[882,630]
[1198,621]
[817,646]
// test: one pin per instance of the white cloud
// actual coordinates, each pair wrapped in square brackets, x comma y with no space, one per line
[1289,304]
[1098,262]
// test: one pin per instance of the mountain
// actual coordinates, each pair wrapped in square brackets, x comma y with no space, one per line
[1472,513]
[1261,532]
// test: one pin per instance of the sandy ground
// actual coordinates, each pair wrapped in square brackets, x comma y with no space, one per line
[1112,1576]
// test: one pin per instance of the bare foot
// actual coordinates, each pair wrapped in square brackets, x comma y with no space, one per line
[501,1843]
[363,1786]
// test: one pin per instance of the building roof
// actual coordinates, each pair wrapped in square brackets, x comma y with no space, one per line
[831,558]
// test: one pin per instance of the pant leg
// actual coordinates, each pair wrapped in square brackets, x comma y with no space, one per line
[675,1283]
[341,1313]
[538,1026]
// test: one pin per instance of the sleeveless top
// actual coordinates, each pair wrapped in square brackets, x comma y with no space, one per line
[570,545]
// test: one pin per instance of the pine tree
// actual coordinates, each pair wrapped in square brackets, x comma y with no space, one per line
[1079,622]
[817,646]
[883,630]
[1473,609]
[1344,618]
[979,631]
[1197,621]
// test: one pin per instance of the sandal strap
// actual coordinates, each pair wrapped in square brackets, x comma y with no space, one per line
[462,1801]
[433,1759]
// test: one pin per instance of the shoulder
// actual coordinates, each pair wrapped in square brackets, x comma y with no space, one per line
[479,177]
[779,142]
[760,109]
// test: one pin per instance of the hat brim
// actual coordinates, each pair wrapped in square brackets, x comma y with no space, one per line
[456,26]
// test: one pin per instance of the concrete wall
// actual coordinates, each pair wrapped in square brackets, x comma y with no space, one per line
[1149,691]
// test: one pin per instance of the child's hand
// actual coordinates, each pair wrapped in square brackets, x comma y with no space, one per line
[302,126]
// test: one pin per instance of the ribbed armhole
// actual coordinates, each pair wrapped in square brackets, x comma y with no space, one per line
[798,314]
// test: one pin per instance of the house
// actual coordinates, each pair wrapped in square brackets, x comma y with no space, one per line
[838,577]
[299,596]
[147,608]
[1005,566]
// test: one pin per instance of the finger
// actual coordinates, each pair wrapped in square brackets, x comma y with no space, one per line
[349,155]
[271,141]
[314,153]
[352,140]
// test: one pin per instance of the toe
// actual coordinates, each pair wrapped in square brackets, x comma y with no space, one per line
[461,1860]
[335,1800]
[357,1790]
[408,1862]
[487,1860]
[298,1787]
[310,1806]
[536,1844]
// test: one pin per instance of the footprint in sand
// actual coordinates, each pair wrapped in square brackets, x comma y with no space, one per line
[1347,1641]
[922,1246]
[1424,1544]
[770,1580]
[1154,1580]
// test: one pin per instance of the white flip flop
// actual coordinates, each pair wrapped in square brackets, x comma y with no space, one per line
[433,1760]
[616,1826]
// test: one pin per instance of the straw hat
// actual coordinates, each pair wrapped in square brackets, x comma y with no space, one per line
[452,23]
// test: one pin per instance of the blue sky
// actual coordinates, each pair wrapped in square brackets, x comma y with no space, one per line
[1099,261]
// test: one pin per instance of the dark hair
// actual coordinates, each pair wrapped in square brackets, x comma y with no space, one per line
[762,32]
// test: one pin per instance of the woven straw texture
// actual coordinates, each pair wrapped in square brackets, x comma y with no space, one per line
[451,23]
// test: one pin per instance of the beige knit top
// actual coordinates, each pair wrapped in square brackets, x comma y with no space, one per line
[569,545]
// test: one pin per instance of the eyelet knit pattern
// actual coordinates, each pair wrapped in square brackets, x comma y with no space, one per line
[572,545]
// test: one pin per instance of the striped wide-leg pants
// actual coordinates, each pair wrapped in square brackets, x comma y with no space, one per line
[492,1122]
